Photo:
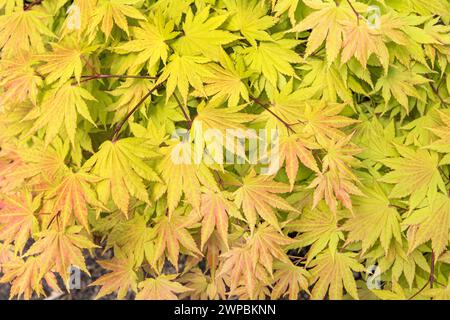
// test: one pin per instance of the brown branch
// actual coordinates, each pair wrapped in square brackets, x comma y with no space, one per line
[267,108]
[354,10]
[186,116]
[32,4]
[120,125]
[430,279]
[108,76]
[436,92]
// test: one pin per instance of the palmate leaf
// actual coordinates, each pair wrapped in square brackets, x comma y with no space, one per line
[414,174]
[23,30]
[216,207]
[18,218]
[442,145]
[183,174]
[332,273]
[64,61]
[318,228]
[287,275]
[62,106]
[430,223]
[226,81]
[121,279]
[162,287]
[273,59]
[374,219]
[257,196]
[201,35]
[19,78]
[294,149]
[170,235]
[250,19]
[121,165]
[183,71]
[58,250]
[113,12]
[149,40]
[326,26]
[25,278]
[72,196]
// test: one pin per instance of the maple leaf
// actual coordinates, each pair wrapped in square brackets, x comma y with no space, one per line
[133,237]
[400,83]
[110,12]
[18,219]
[23,30]
[121,164]
[203,286]
[442,145]
[266,244]
[438,293]
[121,279]
[325,25]
[58,250]
[374,219]
[430,223]
[282,6]
[25,278]
[149,41]
[361,41]
[332,273]
[415,174]
[332,187]
[292,149]
[183,71]
[71,197]
[171,234]
[273,59]
[226,81]
[183,174]
[162,287]
[238,265]
[250,19]
[62,106]
[19,79]
[317,228]
[130,93]
[201,36]
[257,195]
[287,275]
[322,120]
[215,207]
[64,61]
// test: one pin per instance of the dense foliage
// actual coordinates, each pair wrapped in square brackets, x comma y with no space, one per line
[97,96]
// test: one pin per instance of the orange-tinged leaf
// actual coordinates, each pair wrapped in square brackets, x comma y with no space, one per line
[121,278]
[18,218]
[257,196]
[72,196]
[59,250]
[289,279]
[171,235]
[162,287]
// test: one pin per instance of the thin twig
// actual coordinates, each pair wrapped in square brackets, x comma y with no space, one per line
[354,10]
[32,4]
[430,279]
[107,76]
[186,116]
[266,107]
[120,125]
[436,92]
